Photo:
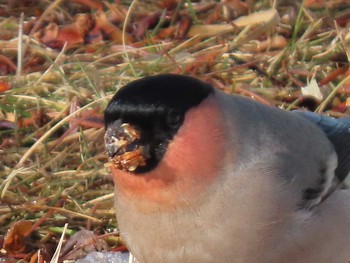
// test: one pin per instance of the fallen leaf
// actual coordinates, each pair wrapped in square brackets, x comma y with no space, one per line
[168,4]
[269,16]
[15,238]
[6,65]
[94,5]
[110,30]
[82,243]
[73,34]
[234,8]
[4,86]
[312,89]
[321,4]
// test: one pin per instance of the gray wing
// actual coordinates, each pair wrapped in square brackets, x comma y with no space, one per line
[338,132]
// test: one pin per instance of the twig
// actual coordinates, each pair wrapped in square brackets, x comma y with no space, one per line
[20,46]
[124,36]
[58,249]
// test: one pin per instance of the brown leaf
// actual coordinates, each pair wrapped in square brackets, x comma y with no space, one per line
[6,65]
[168,4]
[184,27]
[143,24]
[15,238]
[4,86]
[112,31]
[38,119]
[70,34]
[94,5]
[74,34]
[82,243]
[320,4]
[167,32]
[234,8]
[267,17]
[333,75]
[50,33]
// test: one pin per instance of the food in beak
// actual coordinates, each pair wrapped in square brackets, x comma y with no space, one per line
[123,146]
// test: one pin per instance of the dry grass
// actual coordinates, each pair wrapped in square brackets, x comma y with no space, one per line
[52,151]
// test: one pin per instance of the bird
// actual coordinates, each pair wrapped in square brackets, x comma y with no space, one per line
[204,176]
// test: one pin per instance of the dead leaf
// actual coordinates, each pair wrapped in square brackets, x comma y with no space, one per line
[321,4]
[73,34]
[234,8]
[347,102]
[4,86]
[183,27]
[50,33]
[168,4]
[82,243]
[312,89]
[15,238]
[113,32]
[275,42]
[6,65]
[94,5]
[336,73]
[143,24]
[269,16]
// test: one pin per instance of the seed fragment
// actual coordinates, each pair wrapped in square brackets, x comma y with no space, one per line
[129,161]
[123,146]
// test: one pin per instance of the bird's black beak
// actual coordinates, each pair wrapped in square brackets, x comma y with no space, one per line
[124,147]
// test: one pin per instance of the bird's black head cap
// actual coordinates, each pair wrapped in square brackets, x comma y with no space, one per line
[156,106]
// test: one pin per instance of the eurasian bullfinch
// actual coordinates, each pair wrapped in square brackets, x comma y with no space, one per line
[202,176]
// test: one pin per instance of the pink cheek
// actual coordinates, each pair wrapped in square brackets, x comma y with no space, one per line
[198,147]
[189,166]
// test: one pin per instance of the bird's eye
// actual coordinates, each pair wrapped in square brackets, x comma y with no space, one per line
[174,118]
